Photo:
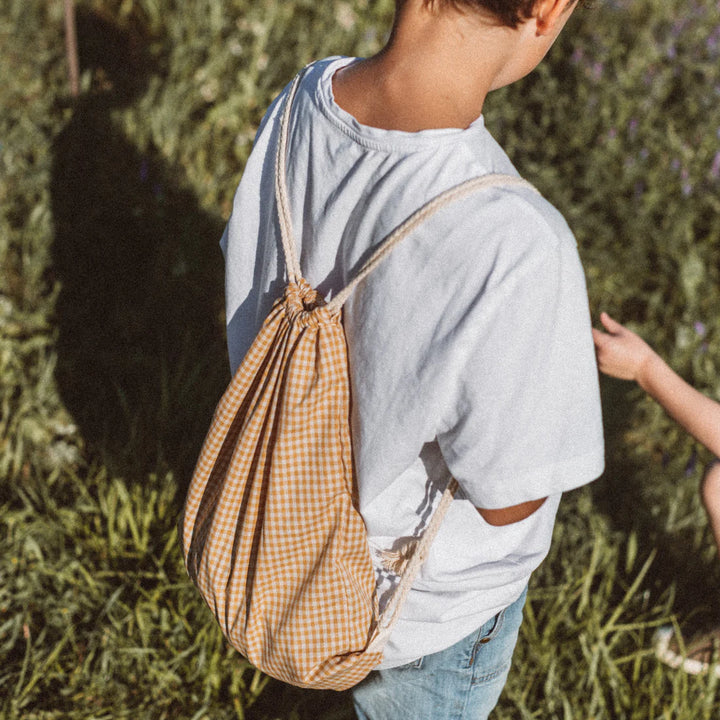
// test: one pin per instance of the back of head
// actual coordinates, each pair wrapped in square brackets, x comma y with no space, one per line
[508,12]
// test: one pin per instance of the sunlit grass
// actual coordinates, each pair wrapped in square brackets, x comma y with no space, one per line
[112,355]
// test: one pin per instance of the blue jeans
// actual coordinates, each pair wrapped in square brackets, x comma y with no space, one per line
[463,682]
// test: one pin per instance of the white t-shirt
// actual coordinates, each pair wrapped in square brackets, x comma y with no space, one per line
[470,347]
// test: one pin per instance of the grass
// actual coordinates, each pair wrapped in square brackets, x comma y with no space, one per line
[112,350]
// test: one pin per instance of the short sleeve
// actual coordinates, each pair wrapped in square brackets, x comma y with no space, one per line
[525,419]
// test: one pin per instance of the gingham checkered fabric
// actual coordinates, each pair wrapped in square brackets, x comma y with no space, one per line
[271,534]
[273,540]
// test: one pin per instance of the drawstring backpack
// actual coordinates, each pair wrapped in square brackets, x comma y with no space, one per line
[271,533]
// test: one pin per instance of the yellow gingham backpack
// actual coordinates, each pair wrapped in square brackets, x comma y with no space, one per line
[270,532]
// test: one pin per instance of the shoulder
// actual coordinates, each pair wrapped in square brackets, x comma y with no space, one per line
[314,78]
[516,212]
[532,212]
[525,213]
[496,256]
[505,226]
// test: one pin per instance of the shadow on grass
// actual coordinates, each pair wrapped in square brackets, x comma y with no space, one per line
[619,494]
[142,359]
[281,700]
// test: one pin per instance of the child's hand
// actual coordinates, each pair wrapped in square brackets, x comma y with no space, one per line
[623,354]
[620,352]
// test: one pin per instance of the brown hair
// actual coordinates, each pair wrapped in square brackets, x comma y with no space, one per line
[508,12]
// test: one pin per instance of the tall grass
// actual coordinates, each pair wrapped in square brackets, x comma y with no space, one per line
[112,350]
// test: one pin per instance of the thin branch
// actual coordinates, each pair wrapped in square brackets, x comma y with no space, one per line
[71,48]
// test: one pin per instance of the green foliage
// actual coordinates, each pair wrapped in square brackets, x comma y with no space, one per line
[111,343]
[586,641]
[96,616]
[223,65]
[35,429]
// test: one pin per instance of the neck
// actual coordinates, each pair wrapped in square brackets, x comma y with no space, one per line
[435,71]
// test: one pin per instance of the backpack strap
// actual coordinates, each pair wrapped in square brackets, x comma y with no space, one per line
[457,192]
[292,263]
[391,613]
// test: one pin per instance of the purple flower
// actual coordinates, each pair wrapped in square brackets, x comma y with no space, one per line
[686,184]
[700,328]
[144,169]
[714,40]
[715,167]
[633,128]
[678,27]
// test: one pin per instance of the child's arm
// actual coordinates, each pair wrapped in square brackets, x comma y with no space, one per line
[623,354]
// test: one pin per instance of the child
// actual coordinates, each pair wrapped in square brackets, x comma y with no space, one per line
[623,354]
[470,346]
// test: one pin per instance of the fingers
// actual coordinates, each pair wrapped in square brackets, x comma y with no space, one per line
[599,337]
[612,326]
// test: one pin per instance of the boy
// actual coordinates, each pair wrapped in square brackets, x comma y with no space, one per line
[470,347]
[624,355]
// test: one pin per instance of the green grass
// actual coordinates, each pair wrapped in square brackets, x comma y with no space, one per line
[112,348]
